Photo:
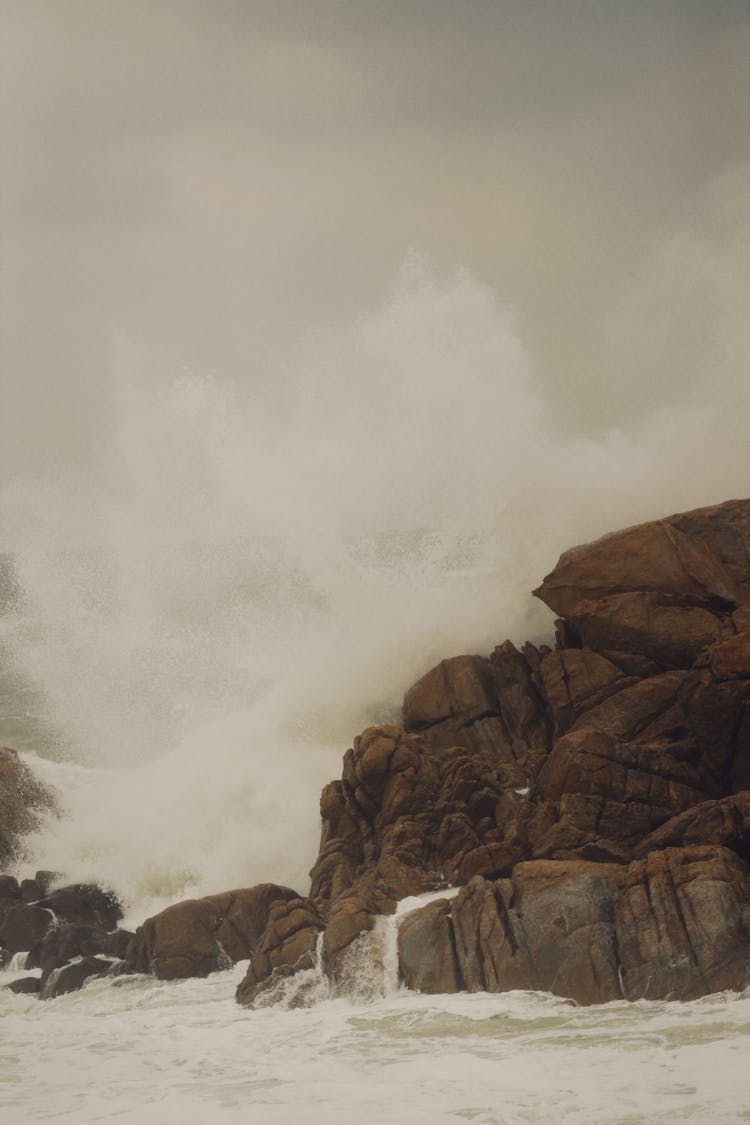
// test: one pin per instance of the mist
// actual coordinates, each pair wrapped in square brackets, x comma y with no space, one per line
[325,328]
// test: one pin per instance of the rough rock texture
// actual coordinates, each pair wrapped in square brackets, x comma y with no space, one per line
[592,801]
[73,976]
[200,936]
[286,946]
[673,926]
[664,590]
[22,797]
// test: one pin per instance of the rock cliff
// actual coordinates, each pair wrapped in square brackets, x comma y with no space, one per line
[592,801]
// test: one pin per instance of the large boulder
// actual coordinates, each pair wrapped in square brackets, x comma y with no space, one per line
[673,926]
[200,936]
[664,590]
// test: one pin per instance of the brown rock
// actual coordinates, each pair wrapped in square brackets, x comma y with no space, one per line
[730,660]
[23,925]
[576,680]
[426,950]
[287,946]
[701,556]
[200,936]
[461,685]
[682,924]
[674,925]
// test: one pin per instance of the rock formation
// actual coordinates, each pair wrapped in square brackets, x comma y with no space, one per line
[593,801]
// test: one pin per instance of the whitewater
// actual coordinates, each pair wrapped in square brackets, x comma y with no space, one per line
[195,627]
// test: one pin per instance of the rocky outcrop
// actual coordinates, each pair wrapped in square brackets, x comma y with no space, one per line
[592,801]
[22,798]
[673,926]
[200,936]
[663,590]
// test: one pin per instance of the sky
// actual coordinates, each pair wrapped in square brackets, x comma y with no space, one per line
[209,181]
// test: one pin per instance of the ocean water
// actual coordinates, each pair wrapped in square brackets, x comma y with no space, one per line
[163,1053]
[196,623]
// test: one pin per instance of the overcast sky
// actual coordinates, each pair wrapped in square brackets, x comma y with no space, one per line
[209,179]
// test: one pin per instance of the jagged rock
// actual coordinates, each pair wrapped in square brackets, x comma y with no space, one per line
[85,904]
[493,708]
[10,891]
[30,890]
[72,977]
[545,783]
[664,590]
[683,924]
[576,680]
[675,925]
[461,685]
[287,946]
[22,797]
[200,936]
[725,822]
[64,942]
[426,950]
[23,925]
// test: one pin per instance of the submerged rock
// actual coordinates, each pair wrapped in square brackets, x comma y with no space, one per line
[200,936]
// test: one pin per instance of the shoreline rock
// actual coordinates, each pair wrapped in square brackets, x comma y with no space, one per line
[592,802]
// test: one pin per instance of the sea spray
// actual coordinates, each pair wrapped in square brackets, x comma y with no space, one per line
[249,579]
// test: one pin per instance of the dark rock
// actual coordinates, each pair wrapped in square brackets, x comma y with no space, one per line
[200,936]
[9,889]
[30,890]
[85,904]
[72,977]
[45,880]
[25,985]
[64,942]
[24,925]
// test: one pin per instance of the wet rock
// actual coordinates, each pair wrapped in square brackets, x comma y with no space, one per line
[200,936]
[29,986]
[287,946]
[683,924]
[73,976]
[22,798]
[426,950]
[30,890]
[85,904]
[10,891]
[671,926]
[24,925]
[63,943]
